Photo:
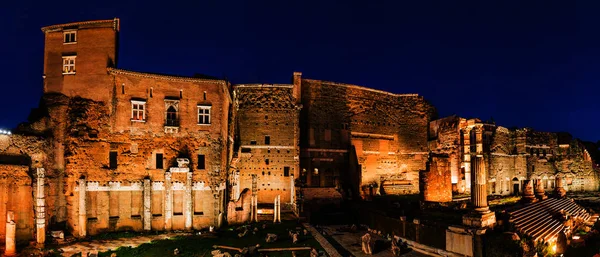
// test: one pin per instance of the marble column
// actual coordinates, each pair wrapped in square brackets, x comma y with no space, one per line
[189,210]
[559,190]
[168,202]
[11,232]
[539,190]
[481,216]
[82,210]
[292,191]
[147,204]
[479,185]
[40,208]
[467,159]
[236,185]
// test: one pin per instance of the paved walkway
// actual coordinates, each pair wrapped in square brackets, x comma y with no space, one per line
[331,251]
[352,243]
[97,246]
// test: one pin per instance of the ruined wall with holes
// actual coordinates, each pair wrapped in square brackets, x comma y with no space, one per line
[512,156]
[268,131]
[388,133]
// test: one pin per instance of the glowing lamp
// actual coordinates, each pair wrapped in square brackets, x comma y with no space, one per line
[576,237]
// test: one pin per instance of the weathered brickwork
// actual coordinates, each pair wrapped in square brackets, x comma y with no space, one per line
[267,121]
[512,156]
[110,149]
[387,133]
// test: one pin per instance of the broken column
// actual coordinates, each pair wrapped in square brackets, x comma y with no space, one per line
[40,208]
[528,193]
[559,190]
[11,232]
[168,201]
[480,216]
[189,210]
[147,204]
[82,210]
[540,194]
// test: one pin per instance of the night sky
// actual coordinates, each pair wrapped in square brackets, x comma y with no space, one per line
[522,63]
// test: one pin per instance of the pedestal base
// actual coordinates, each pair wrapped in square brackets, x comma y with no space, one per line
[480,219]
[529,199]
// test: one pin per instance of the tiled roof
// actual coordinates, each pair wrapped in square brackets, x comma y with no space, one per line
[541,220]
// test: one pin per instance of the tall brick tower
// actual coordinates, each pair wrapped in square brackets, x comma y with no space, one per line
[76,56]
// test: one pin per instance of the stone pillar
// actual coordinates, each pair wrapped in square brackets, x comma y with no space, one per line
[277,210]
[189,209]
[559,190]
[417,223]
[11,232]
[292,191]
[539,190]
[403,220]
[528,193]
[479,185]
[82,210]
[236,186]
[40,209]
[168,202]
[147,204]
[467,159]
[481,216]
[254,211]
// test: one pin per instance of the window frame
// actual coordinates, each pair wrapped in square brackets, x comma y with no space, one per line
[111,158]
[134,110]
[203,167]
[159,161]
[65,70]
[68,33]
[206,115]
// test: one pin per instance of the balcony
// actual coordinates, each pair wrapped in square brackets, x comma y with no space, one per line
[171,125]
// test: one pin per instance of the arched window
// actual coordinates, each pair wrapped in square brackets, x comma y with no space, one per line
[172,117]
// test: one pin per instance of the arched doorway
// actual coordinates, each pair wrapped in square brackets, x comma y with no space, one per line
[516,186]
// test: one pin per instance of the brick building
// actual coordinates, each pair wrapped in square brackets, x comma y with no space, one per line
[110,149]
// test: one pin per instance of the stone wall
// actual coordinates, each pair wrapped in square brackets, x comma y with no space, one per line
[267,138]
[388,132]
[16,196]
[435,181]
[512,156]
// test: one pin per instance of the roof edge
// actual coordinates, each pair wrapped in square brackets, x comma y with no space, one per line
[114,23]
[116,71]
[360,88]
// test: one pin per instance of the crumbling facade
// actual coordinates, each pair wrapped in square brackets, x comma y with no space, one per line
[110,149]
[512,157]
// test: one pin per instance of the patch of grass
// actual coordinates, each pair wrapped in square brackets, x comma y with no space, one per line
[202,245]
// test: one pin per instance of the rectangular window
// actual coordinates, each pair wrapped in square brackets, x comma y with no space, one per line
[113,160]
[286,171]
[267,161]
[69,64]
[203,115]
[159,161]
[201,162]
[253,142]
[138,111]
[267,140]
[70,37]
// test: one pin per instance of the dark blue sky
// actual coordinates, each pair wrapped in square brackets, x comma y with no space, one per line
[524,63]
